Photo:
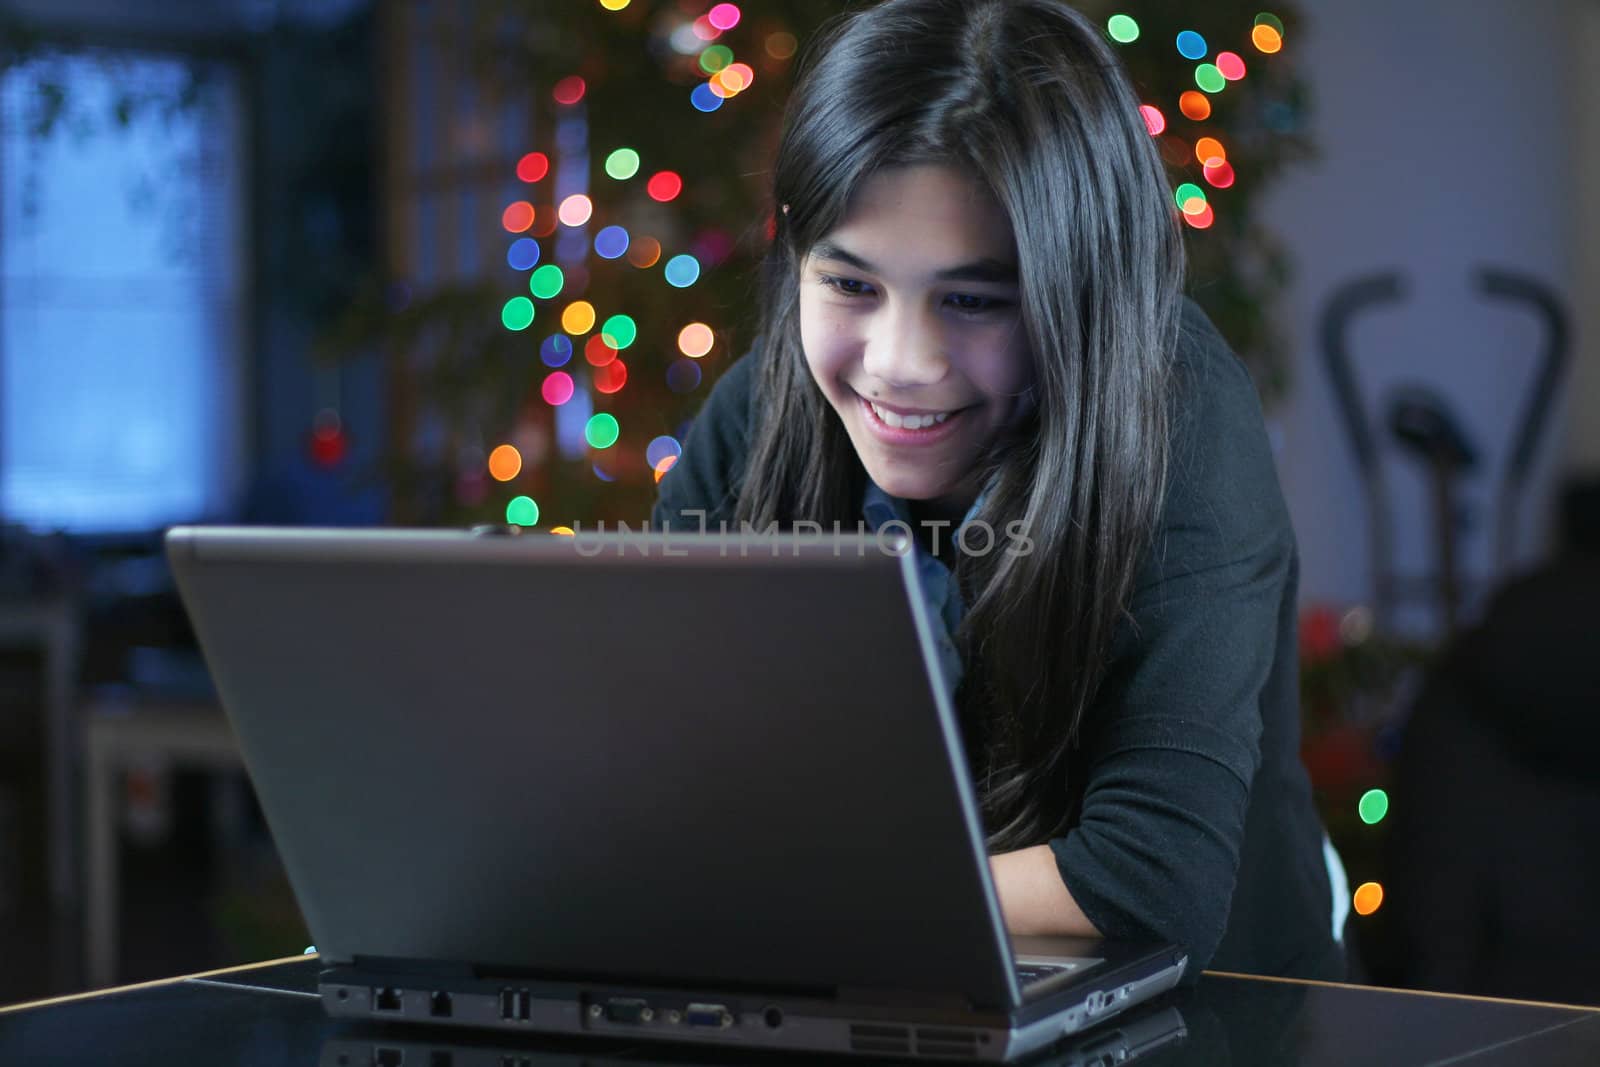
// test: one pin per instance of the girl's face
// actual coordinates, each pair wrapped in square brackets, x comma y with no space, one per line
[911,326]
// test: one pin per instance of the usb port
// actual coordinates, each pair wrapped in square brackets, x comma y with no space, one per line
[439,1006]
[387,999]
[524,1005]
[710,1015]
[508,1004]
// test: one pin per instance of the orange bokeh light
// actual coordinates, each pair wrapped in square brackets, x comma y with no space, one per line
[1266,39]
[505,463]
[1195,105]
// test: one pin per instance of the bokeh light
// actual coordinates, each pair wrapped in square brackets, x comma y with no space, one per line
[1368,898]
[556,350]
[523,254]
[737,77]
[557,388]
[533,167]
[611,242]
[1200,220]
[644,252]
[517,216]
[611,377]
[1266,39]
[704,98]
[666,464]
[522,511]
[695,340]
[663,447]
[1186,194]
[683,376]
[1191,45]
[715,57]
[1373,806]
[614,5]
[597,352]
[547,281]
[1209,78]
[517,314]
[723,16]
[1207,149]
[622,164]
[620,331]
[578,318]
[682,271]
[1195,105]
[569,90]
[704,30]
[664,185]
[564,531]
[602,430]
[575,210]
[1122,29]
[505,463]
[1218,175]
[1266,18]
[1231,64]
[1154,120]
[781,45]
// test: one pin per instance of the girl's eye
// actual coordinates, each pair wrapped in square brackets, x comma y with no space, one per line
[844,286]
[975,305]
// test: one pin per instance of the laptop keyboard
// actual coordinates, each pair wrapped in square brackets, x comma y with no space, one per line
[1029,973]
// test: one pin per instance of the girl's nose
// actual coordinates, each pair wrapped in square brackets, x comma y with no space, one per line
[905,352]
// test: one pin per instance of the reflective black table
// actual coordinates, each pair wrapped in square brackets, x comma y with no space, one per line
[269,1014]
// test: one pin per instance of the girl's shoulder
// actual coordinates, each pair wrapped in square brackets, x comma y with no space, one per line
[1221,458]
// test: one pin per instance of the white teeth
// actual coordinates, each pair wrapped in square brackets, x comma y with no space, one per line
[909,422]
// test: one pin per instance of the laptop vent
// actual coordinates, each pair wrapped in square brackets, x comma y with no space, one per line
[890,1039]
[956,1044]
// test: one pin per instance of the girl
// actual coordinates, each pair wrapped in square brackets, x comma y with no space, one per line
[971,314]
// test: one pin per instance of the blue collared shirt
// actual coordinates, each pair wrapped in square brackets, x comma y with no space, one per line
[940,591]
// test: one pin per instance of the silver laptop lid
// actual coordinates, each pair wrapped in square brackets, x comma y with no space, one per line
[660,757]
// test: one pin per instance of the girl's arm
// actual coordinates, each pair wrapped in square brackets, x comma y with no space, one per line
[1033,898]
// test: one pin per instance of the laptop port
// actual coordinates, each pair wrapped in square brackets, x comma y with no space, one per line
[387,999]
[773,1017]
[715,1016]
[628,1010]
[439,1006]
[389,1057]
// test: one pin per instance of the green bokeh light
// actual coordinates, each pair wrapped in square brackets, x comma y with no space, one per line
[1374,805]
[522,511]
[547,281]
[602,431]
[622,164]
[1187,192]
[1209,78]
[715,58]
[517,314]
[619,331]
[1269,19]
[1123,29]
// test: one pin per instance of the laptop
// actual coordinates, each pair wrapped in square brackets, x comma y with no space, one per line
[668,786]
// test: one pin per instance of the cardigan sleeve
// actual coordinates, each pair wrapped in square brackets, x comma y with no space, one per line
[1173,740]
[703,485]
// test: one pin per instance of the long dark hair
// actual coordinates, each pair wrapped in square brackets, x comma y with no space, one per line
[1026,96]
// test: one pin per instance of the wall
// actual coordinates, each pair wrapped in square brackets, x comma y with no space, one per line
[1447,138]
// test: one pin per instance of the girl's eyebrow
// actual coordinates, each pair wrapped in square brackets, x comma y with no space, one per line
[987,269]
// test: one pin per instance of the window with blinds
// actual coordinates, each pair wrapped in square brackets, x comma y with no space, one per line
[122,310]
